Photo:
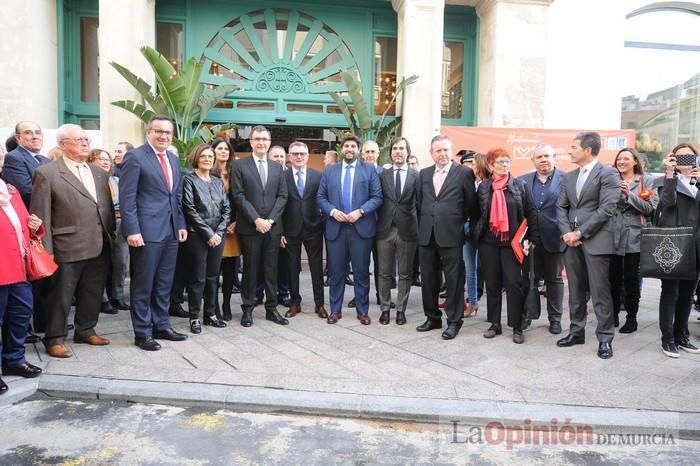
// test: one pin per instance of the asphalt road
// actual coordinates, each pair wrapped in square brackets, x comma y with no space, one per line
[45,431]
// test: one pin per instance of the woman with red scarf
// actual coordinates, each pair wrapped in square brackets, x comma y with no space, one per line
[503,204]
[16,226]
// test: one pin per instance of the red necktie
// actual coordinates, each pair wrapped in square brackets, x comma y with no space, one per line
[164,166]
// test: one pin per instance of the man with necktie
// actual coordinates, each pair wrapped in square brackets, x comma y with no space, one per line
[349,194]
[73,200]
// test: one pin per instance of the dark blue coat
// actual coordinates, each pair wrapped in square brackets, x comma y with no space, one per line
[549,230]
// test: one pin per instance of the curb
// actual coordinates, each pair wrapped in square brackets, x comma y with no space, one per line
[684,425]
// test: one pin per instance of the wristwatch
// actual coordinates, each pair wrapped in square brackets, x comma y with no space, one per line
[272,222]
[362,212]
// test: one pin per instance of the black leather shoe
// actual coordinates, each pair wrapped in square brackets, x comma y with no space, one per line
[176,310]
[349,281]
[26,370]
[3,387]
[247,319]
[452,330]
[31,338]
[227,316]
[351,303]
[400,318]
[195,326]
[147,343]
[285,300]
[212,321]
[526,324]
[555,328]
[384,318]
[236,290]
[605,350]
[429,324]
[106,308]
[571,340]
[169,334]
[120,304]
[393,305]
[274,316]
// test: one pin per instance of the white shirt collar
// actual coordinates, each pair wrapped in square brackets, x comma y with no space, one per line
[589,166]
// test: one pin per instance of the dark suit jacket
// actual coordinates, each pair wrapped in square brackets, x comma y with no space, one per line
[366,195]
[593,213]
[547,221]
[444,216]
[75,224]
[252,200]
[147,206]
[19,170]
[302,216]
[402,212]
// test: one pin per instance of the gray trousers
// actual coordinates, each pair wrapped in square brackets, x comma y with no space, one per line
[387,249]
[120,264]
[550,265]
[586,271]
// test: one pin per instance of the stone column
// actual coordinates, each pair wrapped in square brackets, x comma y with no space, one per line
[29,68]
[125,27]
[419,52]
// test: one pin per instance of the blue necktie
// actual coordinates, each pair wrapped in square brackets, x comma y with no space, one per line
[347,190]
[300,184]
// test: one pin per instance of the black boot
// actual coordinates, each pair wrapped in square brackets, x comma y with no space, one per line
[630,324]
[616,318]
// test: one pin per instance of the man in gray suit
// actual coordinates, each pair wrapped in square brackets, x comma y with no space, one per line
[585,209]
[73,200]
[397,230]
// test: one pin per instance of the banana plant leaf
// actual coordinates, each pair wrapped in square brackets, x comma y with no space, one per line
[141,112]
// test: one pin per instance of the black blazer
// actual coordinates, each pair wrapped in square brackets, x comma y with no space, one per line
[444,216]
[302,216]
[402,212]
[252,200]
[547,221]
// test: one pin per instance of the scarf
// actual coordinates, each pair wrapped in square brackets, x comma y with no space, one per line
[498,219]
[5,195]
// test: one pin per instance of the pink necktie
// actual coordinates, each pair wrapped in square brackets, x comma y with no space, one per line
[439,179]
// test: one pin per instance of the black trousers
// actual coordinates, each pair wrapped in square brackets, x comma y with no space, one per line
[674,309]
[204,265]
[254,247]
[230,267]
[625,269]
[501,269]
[313,243]
[453,267]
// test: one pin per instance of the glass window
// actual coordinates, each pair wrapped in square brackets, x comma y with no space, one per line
[89,60]
[169,42]
[661,94]
[384,75]
[452,80]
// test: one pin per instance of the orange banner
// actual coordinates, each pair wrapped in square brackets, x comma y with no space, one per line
[520,143]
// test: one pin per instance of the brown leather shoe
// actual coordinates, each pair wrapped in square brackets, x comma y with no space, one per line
[364,319]
[294,309]
[59,351]
[321,311]
[94,340]
[334,317]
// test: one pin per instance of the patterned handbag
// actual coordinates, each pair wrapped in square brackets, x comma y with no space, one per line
[668,252]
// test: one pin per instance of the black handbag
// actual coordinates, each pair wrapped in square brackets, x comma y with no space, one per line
[667,252]
[532,307]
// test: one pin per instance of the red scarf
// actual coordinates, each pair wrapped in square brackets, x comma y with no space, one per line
[498,220]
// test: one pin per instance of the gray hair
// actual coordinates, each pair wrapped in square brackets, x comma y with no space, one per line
[542,147]
[64,129]
[439,137]
[298,144]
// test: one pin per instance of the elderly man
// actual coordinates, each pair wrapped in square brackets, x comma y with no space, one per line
[21,162]
[73,200]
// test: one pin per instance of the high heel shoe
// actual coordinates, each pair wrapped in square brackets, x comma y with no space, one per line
[214,322]
[471,310]
[195,326]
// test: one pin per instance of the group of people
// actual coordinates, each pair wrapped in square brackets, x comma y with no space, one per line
[139,213]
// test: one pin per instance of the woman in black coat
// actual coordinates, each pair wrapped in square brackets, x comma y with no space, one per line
[679,206]
[503,204]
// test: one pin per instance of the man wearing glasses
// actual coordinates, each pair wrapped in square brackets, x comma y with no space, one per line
[73,200]
[150,199]
[20,163]
[303,224]
[259,193]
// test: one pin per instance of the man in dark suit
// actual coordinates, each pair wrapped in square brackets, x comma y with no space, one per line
[259,191]
[73,200]
[397,230]
[585,211]
[349,194]
[446,199]
[303,224]
[150,198]
[21,162]
[544,186]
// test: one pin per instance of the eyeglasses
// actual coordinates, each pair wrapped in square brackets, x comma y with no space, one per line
[502,162]
[298,154]
[260,139]
[81,140]
[29,132]
[162,132]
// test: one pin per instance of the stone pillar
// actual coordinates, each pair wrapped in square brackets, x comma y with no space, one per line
[419,52]
[29,70]
[125,27]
